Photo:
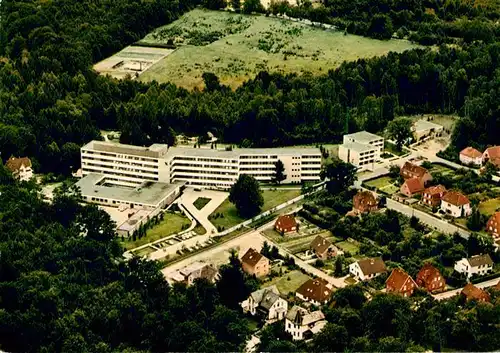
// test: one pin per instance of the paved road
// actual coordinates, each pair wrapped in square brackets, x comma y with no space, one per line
[189,196]
[452,293]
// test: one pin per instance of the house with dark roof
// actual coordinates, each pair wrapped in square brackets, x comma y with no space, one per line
[431,279]
[432,195]
[471,292]
[194,271]
[254,263]
[475,265]
[20,168]
[285,224]
[492,155]
[317,291]
[412,187]
[456,204]
[410,170]
[367,269]
[323,248]
[268,302]
[364,201]
[400,282]
[493,225]
[302,324]
[470,155]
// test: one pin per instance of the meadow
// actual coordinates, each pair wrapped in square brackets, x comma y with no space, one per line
[236,47]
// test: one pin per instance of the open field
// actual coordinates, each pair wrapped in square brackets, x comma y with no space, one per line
[236,47]
[289,282]
[171,224]
[272,198]
[490,206]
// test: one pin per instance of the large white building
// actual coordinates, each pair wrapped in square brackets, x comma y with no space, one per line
[362,149]
[475,265]
[200,167]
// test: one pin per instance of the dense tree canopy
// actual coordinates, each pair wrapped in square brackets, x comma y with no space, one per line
[246,195]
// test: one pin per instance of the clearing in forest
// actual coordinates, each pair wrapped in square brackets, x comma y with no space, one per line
[236,47]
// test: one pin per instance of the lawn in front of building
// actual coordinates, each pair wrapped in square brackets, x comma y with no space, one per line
[289,282]
[201,202]
[353,248]
[489,207]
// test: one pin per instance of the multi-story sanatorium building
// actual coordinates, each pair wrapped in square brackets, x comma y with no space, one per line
[361,149]
[200,167]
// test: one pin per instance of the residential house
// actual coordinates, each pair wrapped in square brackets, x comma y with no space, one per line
[367,268]
[493,225]
[323,248]
[410,170]
[456,204]
[302,324]
[364,201]
[317,291]
[492,155]
[431,279]
[194,271]
[268,302]
[471,292]
[432,195]
[412,187]
[401,283]
[475,265]
[286,223]
[423,129]
[20,168]
[254,263]
[470,155]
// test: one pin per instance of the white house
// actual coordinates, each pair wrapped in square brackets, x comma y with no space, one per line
[302,324]
[361,149]
[267,301]
[470,155]
[476,265]
[456,204]
[20,168]
[367,269]
[423,129]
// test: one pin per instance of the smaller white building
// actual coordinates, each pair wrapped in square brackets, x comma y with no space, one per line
[470,155]
[367,269]
[475,265]
[194,271]
[423,129]
[456,204]
[20,168]
[361,149]
[302,324]
[268,302]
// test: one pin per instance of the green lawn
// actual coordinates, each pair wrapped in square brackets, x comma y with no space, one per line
[348,246]
[440,168]
[391,148]
[285,285]
[490,206]
[144,251]
[201,202]
[272,198]
[380,183]
[172,223]
[236,47]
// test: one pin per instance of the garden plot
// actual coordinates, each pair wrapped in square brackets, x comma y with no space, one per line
[384,184]
[236,47]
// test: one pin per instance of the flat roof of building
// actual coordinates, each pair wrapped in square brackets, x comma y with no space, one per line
[156,150]
[364,136]
[423,125]
[237,152]
[150,193]
[358,147]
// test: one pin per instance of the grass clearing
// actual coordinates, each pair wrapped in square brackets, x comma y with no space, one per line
[172,223]
[384,184]
[391,148]
[230,218]
[289,282]
[201,202]
[348,246]
[441,168]
[236,47]
[144,251]
[489,207]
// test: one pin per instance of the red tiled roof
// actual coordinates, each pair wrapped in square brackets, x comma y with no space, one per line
[493,152]
[435,190]
[414,185]
[315,289]
[427,274]
[494,221]
[471,152]
[472,292]
[251,257]
[397,279]
[364,198]
[456,198]
[14,164]
[286,221]
[320,244]
[413,169]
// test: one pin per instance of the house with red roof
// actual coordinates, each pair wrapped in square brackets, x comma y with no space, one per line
[492,155]
[20,168]
[471,292]
[432,195]
[410,170]
[470,155]
[412,187]
[364,201]
[254,263]
[456,204]
[493,225]
[431,279]
[317,291]
[400,282]
[285,224]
